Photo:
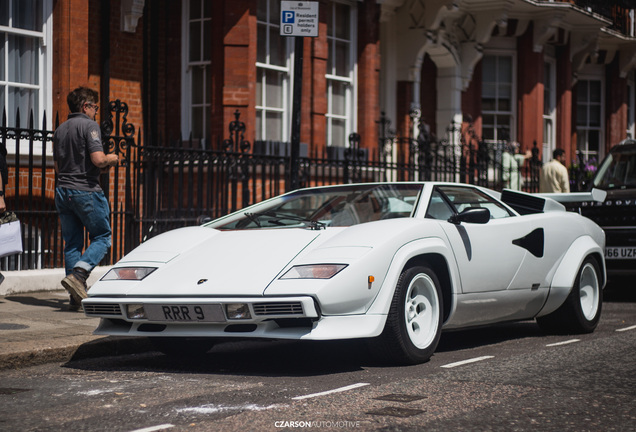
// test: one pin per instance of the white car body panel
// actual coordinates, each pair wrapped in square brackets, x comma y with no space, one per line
[492,272]
[565,273]
[220,262]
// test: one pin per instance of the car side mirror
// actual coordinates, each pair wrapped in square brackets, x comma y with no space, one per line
[477,215]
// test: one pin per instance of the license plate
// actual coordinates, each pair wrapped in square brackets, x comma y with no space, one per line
[185,313]
[620,253]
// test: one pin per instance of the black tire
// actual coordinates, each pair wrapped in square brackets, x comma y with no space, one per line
[414,324]
[581,311]
[182,347]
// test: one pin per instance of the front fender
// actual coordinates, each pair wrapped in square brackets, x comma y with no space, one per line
[566,272]
[414,249]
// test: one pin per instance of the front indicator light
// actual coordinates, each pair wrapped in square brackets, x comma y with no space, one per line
[237,311]
[313,271]
[136,311]
[128,273]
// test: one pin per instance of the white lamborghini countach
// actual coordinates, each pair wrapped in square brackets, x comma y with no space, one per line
[391,263]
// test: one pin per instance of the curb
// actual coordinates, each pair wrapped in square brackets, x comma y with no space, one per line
[104,347]
[25,281]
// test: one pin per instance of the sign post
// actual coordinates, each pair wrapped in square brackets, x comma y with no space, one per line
[297,19]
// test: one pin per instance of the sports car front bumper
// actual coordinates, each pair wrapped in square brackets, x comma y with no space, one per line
[272,317]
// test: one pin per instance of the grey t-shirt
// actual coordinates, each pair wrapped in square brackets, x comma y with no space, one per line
[73,142]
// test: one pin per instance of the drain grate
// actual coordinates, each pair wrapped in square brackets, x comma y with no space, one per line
[394,397]
[396,412]
[10,391]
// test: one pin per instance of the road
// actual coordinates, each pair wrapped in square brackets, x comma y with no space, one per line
[505,378]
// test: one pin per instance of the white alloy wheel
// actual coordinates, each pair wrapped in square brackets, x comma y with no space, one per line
[414,323]
[581,311]
[589,291]
[421,311]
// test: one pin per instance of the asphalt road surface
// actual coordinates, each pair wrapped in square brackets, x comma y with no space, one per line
[505,378]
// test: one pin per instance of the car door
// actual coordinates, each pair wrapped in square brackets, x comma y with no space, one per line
[486,256]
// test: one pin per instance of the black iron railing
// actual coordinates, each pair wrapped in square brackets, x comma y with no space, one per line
[159,187]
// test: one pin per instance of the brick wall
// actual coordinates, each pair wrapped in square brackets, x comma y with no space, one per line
[616,112]
[529,93]
[368,74]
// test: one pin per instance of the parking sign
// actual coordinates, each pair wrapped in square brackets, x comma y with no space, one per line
[299,18]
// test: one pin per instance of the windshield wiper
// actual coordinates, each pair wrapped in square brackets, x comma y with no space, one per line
[278,217]
[253,218]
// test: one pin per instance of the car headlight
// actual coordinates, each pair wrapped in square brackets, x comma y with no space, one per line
[128,273]
[313,271]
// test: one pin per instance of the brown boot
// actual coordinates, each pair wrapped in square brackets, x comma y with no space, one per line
[75,287]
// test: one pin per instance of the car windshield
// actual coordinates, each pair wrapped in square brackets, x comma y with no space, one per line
[331,206]
[618,170]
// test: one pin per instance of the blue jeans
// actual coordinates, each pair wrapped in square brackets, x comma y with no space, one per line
[81,210]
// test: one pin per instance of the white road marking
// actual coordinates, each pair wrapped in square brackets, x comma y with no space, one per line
[463,362]
[626,328]
[564,342]
[210,408]
[338,390]
[155,428]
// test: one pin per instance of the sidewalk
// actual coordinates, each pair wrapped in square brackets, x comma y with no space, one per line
[37,328]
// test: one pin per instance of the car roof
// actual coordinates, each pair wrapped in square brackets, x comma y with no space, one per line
[625,145]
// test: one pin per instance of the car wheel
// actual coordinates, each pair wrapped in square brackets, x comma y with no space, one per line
[179,347]
[414,324]
[582,310]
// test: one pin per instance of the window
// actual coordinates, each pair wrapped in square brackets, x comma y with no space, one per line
[549,108]
[329,206]
[589,118]
[196,94]
[341,26]
[273,71]
[631,88]
[462,198]
[497,97]
[25,69]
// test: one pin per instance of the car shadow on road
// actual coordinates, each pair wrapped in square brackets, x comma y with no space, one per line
[294,358]
[483,336]
[622,291]
[249,357]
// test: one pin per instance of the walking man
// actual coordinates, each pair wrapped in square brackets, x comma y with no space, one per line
[554,175]
[79,159]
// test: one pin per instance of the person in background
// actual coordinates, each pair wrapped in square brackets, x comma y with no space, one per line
[79,160]
[554,175]
[512,162]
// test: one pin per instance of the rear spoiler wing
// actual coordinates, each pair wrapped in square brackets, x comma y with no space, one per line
[593,195]
[526,203]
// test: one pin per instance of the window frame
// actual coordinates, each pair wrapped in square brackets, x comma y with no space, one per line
[44,84]
[582,132]
[549,136]
[262,68]
[511,114]
[351,92]
[631,106]
[187,78]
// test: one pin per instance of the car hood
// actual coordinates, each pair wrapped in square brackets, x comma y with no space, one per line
[224,263]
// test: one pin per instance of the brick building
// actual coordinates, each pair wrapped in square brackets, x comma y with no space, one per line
[555,73]
[548,74]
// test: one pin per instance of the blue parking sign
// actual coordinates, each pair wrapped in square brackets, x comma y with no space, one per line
[299,18]
[289,17]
